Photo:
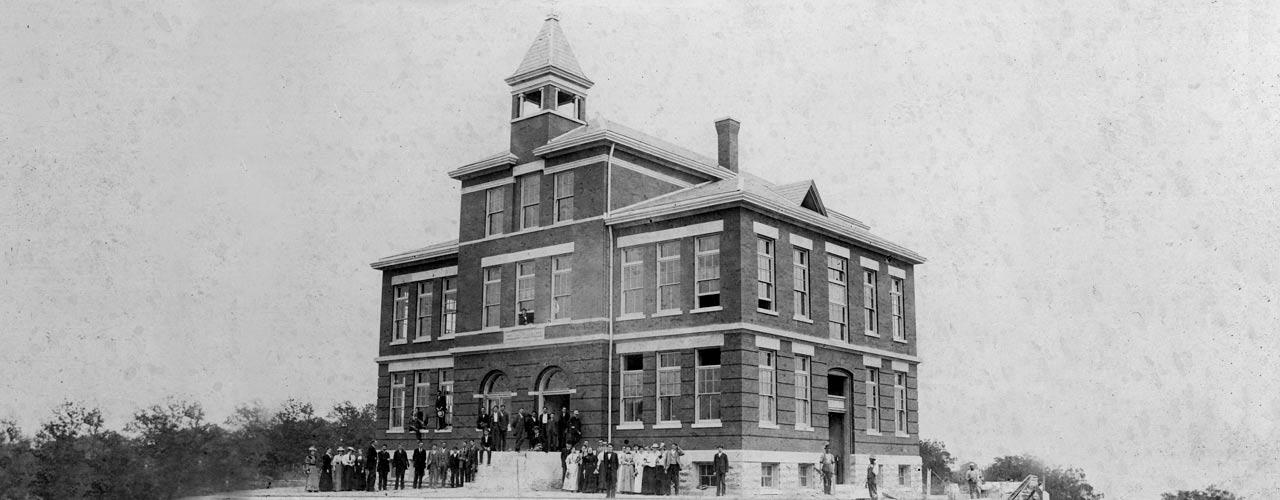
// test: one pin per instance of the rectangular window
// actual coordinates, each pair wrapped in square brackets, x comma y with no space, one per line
[708,385]
[768,387]
[764,273]
[449,318]
[903,472]
[632,387]
[669,276]
[493,205]
[895,297]
[873,400]
[425,294]
[561,286]
[767,473]
[524,293]
[869,300]
[422,394]
[900,402]
[707,274]
[804,399]
[668,386]
[632,281]
[706,474]
[563,196]
[397,401]
[838,297]
[446,385]
[400,325]
[492,297]
[530,191]
[806,475]
[800,276]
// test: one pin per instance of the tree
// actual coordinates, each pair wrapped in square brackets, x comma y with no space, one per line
[17,463]
[1210,493]
[183,453]
[936,459]
[1062,483]
[76,458]
[352,426]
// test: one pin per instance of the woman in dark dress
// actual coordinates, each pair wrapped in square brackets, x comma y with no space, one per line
[326,470]
[588,472]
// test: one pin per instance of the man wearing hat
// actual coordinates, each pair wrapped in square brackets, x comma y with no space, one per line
[872,480]
[721,467]
[973,477]
[827,466]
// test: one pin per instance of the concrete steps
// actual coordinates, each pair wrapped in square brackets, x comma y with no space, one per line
[510,472]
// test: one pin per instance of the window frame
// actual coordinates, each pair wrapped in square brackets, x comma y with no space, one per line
[870,305]
[804,391]
[667,261]
[449,307]
[801,260]
[766,274]
[526,284]
[768,365]
[703,271]
[674,398]
[636,379]
[398,380]
[494,206]
[425,313]
[900,402]
[562,280]
[561,201]
[631,281]
[700,383]
[421,392]
[491,299]
[446,385]
[873,400]
[530,200]
[837,288]
[897,292]
[400,313]
[769,475]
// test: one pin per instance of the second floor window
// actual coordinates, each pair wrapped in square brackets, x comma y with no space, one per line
[869,317]
[707,271]
[800,275]
[422,396]
[449,316]
[768,387]
[899,304]
[632,281]
[492,297]
[425,296]
[838,297]
[524,293]
[764,274]
[708,385]
[400,324]
[561,286]
[562,193]
[530,188]
[632,387]
[804,401]
[493,206]
[668,385]
[669,276]
[873,400]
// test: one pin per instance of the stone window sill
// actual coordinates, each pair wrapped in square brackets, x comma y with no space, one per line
[767,425]
[766,311]
[669,425]
[802,319]
[707,309]
[630,316]
[630,426]
[672,312]
[703,424]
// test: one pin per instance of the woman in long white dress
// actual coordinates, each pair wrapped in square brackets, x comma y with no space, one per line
[626,471]
[571,471]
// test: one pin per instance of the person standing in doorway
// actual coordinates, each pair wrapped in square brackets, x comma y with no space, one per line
[721,467]
[827,466]
[873,480]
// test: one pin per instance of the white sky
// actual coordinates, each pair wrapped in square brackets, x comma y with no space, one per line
[192,192]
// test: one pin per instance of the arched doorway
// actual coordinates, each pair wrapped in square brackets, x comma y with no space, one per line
[554,390]
[495,390]
[839,425]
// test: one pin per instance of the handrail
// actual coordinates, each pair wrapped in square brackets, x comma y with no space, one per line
[1027,489]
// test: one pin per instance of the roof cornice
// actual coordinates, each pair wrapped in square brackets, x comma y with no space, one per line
[479,167]
[421,254]
[685,163]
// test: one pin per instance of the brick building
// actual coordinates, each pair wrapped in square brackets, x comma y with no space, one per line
[666,295]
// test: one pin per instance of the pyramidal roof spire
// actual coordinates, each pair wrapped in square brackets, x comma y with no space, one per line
[550,54]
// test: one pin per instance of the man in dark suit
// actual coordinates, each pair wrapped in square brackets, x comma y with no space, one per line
[371,466]
[500,441]
[384,467]
[517,429]
[609,471]
[399,462]
[721,467]
[419,465]
[441,410]
[573,430]
[549,430]
[672,462]
[455,468]
[562,426]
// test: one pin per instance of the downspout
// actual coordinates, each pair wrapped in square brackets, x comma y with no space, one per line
[608,205]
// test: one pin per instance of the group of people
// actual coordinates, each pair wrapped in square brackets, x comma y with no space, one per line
[350,470]
[546,431]
[652,470]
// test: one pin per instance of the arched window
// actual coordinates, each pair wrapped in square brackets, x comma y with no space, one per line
[495,390]
[554,389]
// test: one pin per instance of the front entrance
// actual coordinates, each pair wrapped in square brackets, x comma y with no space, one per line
[555,402]
[835,436]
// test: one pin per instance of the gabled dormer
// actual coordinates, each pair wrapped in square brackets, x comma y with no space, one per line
[803,193]
[548,92]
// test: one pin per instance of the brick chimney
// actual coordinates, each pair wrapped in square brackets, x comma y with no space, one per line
[727,140]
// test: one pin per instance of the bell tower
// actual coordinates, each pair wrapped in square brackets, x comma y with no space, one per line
[548,92]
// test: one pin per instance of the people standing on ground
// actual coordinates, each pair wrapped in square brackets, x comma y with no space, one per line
[626,471]
[827,467]
[339,468]
[517,430]
[419,465]
[326,470]
[349,470]
[609,465]
[371,467]
[311,470]
[873,480]
[653,473]
[673,467]
[973,478]
[455,468]
[359,472]
[720,464]
[434,466]
[587,471]
[570,461]
[399,462]
[384,467]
